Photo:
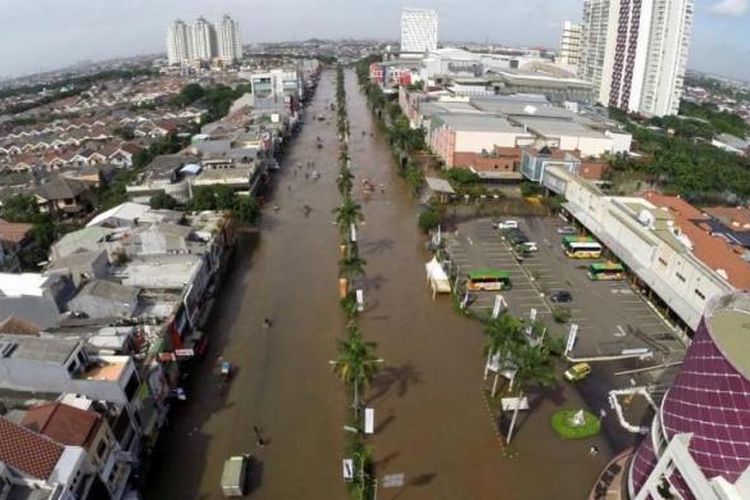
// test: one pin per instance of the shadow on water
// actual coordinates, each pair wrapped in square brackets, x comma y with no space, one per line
[398,377]
[379,246]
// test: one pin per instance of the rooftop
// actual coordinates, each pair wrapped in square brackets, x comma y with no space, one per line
[65,424]
[17,284]
[728,321]
[110,369]
[27,451]
[714,251]
[109,290]
[478,123]
[126,211]
[556,127]
[45,350]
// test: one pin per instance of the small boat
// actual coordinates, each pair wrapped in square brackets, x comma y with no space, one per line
[226,369]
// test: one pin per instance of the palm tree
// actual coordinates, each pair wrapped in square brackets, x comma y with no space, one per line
[345,182]
[350,267]
[348,213]
[502,334]
[362,482]
[356,363]
[534,366]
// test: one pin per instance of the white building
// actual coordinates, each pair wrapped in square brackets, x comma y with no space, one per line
[635,52]
[570,44]
[178,42]
[203,40]
[419,30]
[230,46]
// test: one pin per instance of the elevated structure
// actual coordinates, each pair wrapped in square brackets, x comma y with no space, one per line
[699,445]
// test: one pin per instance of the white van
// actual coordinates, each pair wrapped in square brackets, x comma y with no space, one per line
[234,476]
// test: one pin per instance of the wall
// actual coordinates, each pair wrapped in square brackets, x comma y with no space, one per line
[477,141]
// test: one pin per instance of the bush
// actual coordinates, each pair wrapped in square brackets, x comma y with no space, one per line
[161,201]
[429,219]
[561,423]
[462,176]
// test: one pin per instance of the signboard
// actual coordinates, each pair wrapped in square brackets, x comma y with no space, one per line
[532,314]
[369,420]
[184,353]
[571,338]
[360,300]
[511,403]
[166,357]
[493,363]
[348,469]
[499,306]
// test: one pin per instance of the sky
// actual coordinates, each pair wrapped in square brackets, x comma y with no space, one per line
[49,34]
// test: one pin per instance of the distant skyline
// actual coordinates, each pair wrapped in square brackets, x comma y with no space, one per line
[49,34]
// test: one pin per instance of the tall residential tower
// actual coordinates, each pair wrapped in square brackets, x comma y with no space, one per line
[230,48]
[635,52]
[570,44]
[202,41]
[419,30]
[178,42]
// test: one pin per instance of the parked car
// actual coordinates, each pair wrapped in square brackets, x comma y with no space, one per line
[577,372]
[507,224]
[561,296]
[516,236]
[528,247]
[566,230]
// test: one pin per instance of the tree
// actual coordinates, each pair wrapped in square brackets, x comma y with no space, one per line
[125,133]
[348,213]
[356,364]
[162,200]
[362,483]
[246,209]
[352,266]
[502,335]
[429,219]
[534,366]
[19,208]
[188,95]
[345,182]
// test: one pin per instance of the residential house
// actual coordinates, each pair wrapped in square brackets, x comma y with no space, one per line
[501,164]
[63,197]
[82,266]
[104,299]
[34,462]
[71,426]
[125,154]
[33,297]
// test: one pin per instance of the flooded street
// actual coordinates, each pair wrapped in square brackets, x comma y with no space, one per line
[431,420]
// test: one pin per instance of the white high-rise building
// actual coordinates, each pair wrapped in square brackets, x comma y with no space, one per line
[635,52]
[419,30]
[178,42]
[230,46]
[570,44]
[203,36]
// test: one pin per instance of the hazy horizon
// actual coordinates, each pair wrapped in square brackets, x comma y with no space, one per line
[62,35]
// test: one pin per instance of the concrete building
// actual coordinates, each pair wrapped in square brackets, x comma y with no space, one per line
[699,444]
[230,44]
[105,299]
[178,42]
[635,53]
[203,43]
[36,298]
[570,45]
[419,30]
[667,245]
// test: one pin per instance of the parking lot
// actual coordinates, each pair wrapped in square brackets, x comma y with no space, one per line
[610,315]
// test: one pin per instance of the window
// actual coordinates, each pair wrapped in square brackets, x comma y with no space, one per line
[699,294]
[680,277]
[101,448]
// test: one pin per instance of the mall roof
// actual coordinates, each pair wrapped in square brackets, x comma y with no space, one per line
[478,123]
[728,321]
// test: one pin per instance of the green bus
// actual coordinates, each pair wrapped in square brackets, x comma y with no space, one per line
[487,280]
[582,247]
[606,271]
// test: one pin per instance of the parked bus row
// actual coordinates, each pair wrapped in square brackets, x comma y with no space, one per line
[585,247]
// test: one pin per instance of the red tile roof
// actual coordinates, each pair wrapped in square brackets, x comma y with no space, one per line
[735,218]
[14,232]
[27,451]
[63,423]
[714,251]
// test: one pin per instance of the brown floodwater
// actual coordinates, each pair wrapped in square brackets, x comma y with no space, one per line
[432,423]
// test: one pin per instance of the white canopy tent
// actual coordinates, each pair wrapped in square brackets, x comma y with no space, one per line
[437,277]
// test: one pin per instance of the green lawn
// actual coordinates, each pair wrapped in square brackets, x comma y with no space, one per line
[561,423]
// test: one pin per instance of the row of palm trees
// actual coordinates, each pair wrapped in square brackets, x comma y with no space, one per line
[356,364]
[525,351]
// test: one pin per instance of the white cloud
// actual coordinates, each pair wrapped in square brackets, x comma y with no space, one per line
[733,8]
